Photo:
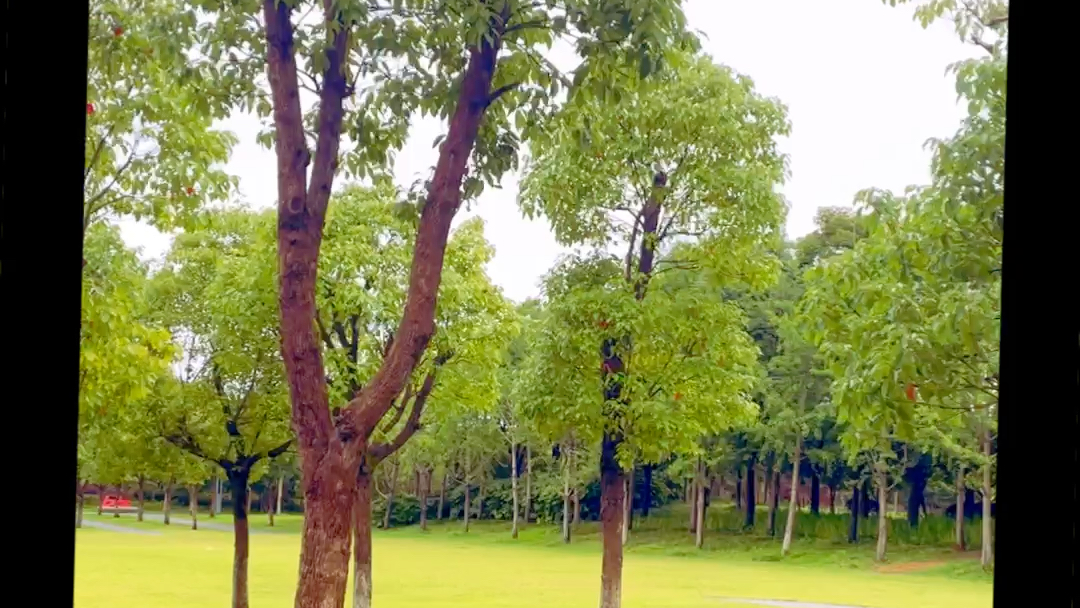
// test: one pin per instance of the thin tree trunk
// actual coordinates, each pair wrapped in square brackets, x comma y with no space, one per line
[987,557]
[214,489]
[142,498]
[961,543]
[774,500]
[766,482]
[361,517]
[612,512]
[738,487]
[193,505]
[630,479]
[789,529]
[280,493]
[856,508]
[528,484]
[238,481]
[815,494]
[629,511]
[832,499]
[883,521]
[80,501]
[646,490]
[467,480]
[566,501]
[577,506]
[390,497]
[896,501]
[423,488]
[692,500]
[480,497]
[751,490]
[699,511]
[101,500]
[442,495]
[166,506]
[514,489]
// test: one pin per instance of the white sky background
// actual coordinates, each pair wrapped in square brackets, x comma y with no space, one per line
[865,87]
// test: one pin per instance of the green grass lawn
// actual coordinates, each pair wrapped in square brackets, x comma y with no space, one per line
[485,568]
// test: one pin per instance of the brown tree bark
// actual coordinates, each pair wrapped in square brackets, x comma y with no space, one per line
[193,505]
[961,491]
[166,506]
[280,493]
[514,490]
[612,511]
[362,581]
[141,493]
[331,450]
[238,482]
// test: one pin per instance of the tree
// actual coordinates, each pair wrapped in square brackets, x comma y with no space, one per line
[151,151]
[489,81]
[660,157]
[229,407]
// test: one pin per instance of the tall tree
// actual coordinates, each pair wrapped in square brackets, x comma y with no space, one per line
[488,81]
[646,171]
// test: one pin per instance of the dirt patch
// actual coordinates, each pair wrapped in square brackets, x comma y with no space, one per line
[906,567]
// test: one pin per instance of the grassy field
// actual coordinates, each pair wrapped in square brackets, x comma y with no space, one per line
[179,567]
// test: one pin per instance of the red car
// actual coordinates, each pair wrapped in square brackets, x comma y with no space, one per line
[116,504]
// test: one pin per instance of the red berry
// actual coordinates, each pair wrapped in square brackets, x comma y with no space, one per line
[117,31]
[89,109]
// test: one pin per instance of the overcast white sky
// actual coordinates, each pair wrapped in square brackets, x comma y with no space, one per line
[864,84]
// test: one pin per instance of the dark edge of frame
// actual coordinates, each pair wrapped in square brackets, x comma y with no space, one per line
[1035,546]
[44,125]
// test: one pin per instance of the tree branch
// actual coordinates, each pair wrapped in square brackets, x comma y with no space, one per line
[325,335]
[499,92]
[383,450]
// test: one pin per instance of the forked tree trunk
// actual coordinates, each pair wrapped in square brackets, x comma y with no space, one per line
[789,529]
[390,497]
[612,511]
[961,543]
[142,498]
[883,521]
[699,510]
[330,452]
[987,557]
[238,481]
[166,507]
[80,501]
[362,542]
[514,490]
[193,505]
[774,501]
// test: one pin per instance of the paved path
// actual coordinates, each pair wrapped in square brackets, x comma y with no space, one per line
[90,523]
[781,603]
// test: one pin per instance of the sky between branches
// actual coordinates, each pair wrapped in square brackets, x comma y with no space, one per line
[865,87]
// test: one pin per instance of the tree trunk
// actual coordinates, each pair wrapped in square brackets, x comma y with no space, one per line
[424,488]
[856,508]
[166,507]
[101,500]
[361,517]
[390,497]
[280,493]
[249,497]
[987,557]
[514,490]
[628,514]
[789,529]
[566,501]
[766,483]
[80,501]
[193,505]
[961,492]
[883,521]
[751,491]
[480,498]
[738,487]
[577,506]
[692,500]
[467,505]
[238,481]
[699,510]
[442,496]
[142,498]
[612,512]
[646,490]
[774,501]
[832,498]
[214,489]
[528,484]
[815,494]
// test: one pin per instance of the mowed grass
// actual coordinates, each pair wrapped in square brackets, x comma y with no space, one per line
[485,568]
